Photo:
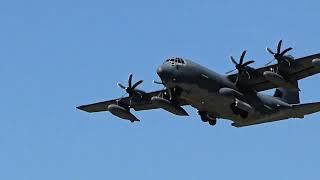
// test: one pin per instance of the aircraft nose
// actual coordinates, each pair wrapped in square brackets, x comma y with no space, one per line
[160,71]
[164,72]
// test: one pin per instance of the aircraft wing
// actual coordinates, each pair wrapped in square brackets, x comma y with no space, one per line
[299,69]
[143,104]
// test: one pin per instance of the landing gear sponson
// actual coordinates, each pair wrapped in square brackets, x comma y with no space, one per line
[205,117]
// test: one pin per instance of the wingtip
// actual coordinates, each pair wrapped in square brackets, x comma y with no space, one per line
[81,108]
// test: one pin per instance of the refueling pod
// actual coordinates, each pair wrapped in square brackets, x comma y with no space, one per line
[122,112]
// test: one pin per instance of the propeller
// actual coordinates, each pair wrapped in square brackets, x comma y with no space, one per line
[279,56]
[241,66]
[157,82]
[131,89]
[167,92]
[171,93]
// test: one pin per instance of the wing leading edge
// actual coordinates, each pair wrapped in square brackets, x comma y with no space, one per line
[140,105]
[143,104]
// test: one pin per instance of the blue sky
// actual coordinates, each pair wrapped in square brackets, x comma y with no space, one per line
[58,54]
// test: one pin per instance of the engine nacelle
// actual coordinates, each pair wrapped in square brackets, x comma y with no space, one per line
[316,62]
[244,106]
[168,106]
[241,108]
[230,93]
[122,112]
[278,80]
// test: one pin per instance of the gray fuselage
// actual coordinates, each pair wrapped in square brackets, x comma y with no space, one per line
[200,88]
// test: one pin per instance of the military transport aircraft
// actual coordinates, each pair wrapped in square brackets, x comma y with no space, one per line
[235,97]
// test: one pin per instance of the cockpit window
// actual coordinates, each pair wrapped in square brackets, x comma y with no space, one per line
[180,60]
[176,60]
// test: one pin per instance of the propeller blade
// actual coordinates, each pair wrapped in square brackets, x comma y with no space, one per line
[130,80]
[233,60]
[270,51]
[136,84]
[285,51]
[288,61]
[269,62]
[121,86]
[237,80]
[242,56]
[157,82]
[231,71]
[247,63]
[248,74]
[279,47]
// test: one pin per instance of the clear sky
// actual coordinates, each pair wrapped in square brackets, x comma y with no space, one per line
[56,55]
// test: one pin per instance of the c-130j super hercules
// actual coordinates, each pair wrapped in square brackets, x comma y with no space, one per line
[235,97]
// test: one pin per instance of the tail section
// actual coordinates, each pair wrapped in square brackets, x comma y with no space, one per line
[289,95]
[295,111]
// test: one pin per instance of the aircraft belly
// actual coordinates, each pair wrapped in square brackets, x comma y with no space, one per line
[219,106]
[210,101]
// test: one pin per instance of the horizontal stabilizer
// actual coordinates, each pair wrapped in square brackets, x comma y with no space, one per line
[300,110]
[294,111]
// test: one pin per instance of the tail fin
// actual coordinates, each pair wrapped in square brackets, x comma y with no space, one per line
[289,95]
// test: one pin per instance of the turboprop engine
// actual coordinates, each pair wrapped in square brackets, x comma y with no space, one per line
[242,108]
[122,109]
[278,80]
[230,93]
[168,106]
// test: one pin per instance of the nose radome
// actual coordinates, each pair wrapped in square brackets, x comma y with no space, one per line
[163,72]
[160,70]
